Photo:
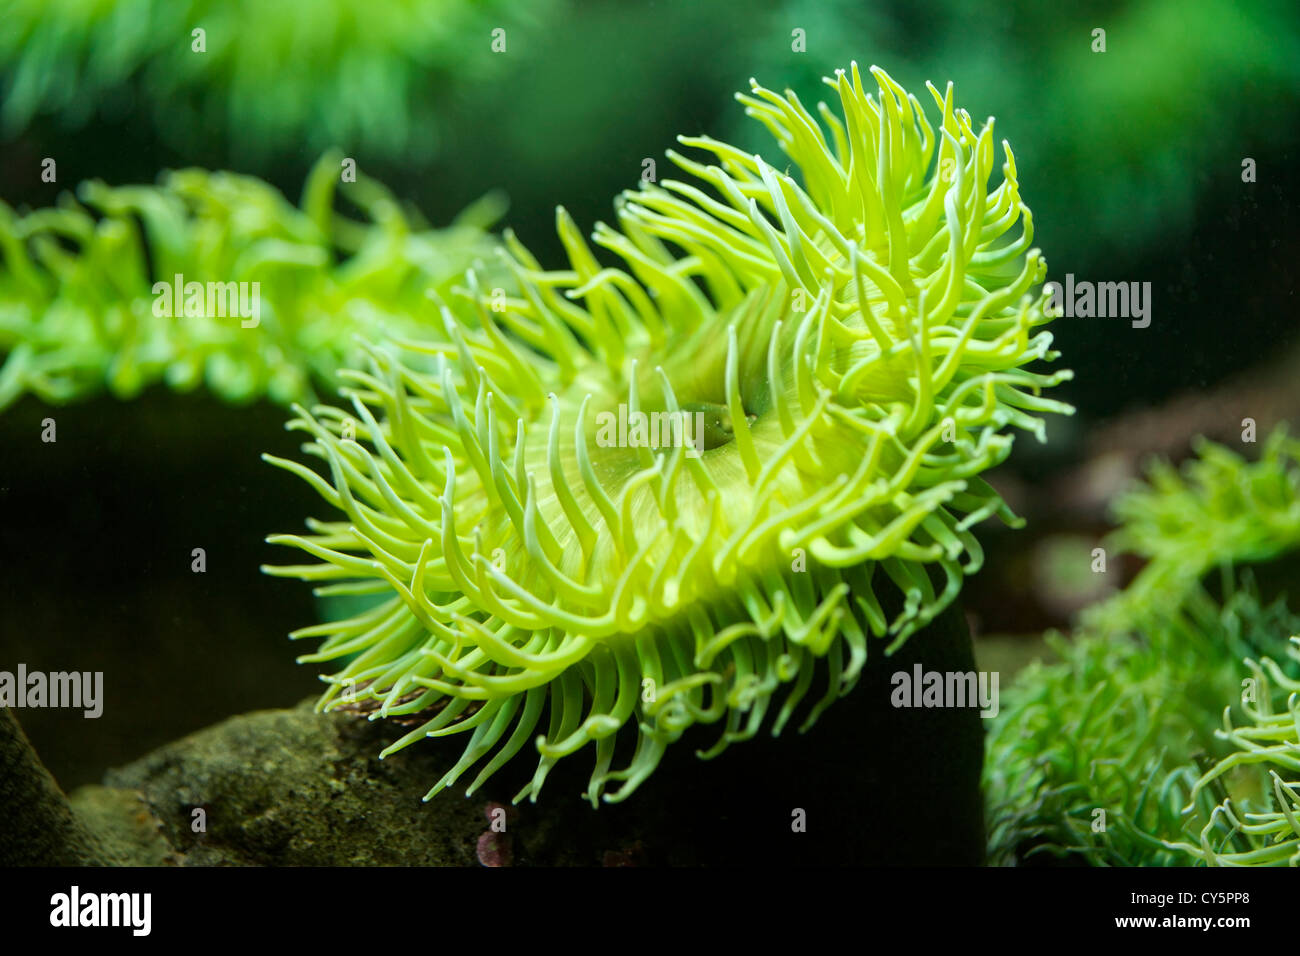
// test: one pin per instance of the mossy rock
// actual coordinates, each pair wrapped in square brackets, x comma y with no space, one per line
[878,785]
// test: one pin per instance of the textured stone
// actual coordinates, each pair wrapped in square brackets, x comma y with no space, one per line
[878,785]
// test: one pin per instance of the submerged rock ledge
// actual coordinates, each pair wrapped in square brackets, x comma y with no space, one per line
[877,785]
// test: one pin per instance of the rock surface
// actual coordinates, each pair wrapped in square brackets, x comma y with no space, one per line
[877,785]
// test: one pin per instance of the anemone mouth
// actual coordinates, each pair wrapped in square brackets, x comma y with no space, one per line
[850,352]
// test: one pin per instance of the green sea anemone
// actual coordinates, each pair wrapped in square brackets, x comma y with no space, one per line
[844,356]
[288,75]
[1097,756]
[1114,754]
[1219,510]
[1258,824]
[80,285]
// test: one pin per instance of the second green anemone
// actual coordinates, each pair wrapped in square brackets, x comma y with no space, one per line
[79,304]
[856,341]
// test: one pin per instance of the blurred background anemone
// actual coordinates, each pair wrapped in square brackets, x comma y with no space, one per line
[78,302]
[1171,709]
[248,80]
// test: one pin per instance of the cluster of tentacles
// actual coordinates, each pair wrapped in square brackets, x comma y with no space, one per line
[79,301]
[857,341]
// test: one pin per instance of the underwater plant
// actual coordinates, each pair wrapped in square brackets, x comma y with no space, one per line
[1123,726]
[117,290]
[843,359]
[371,74]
